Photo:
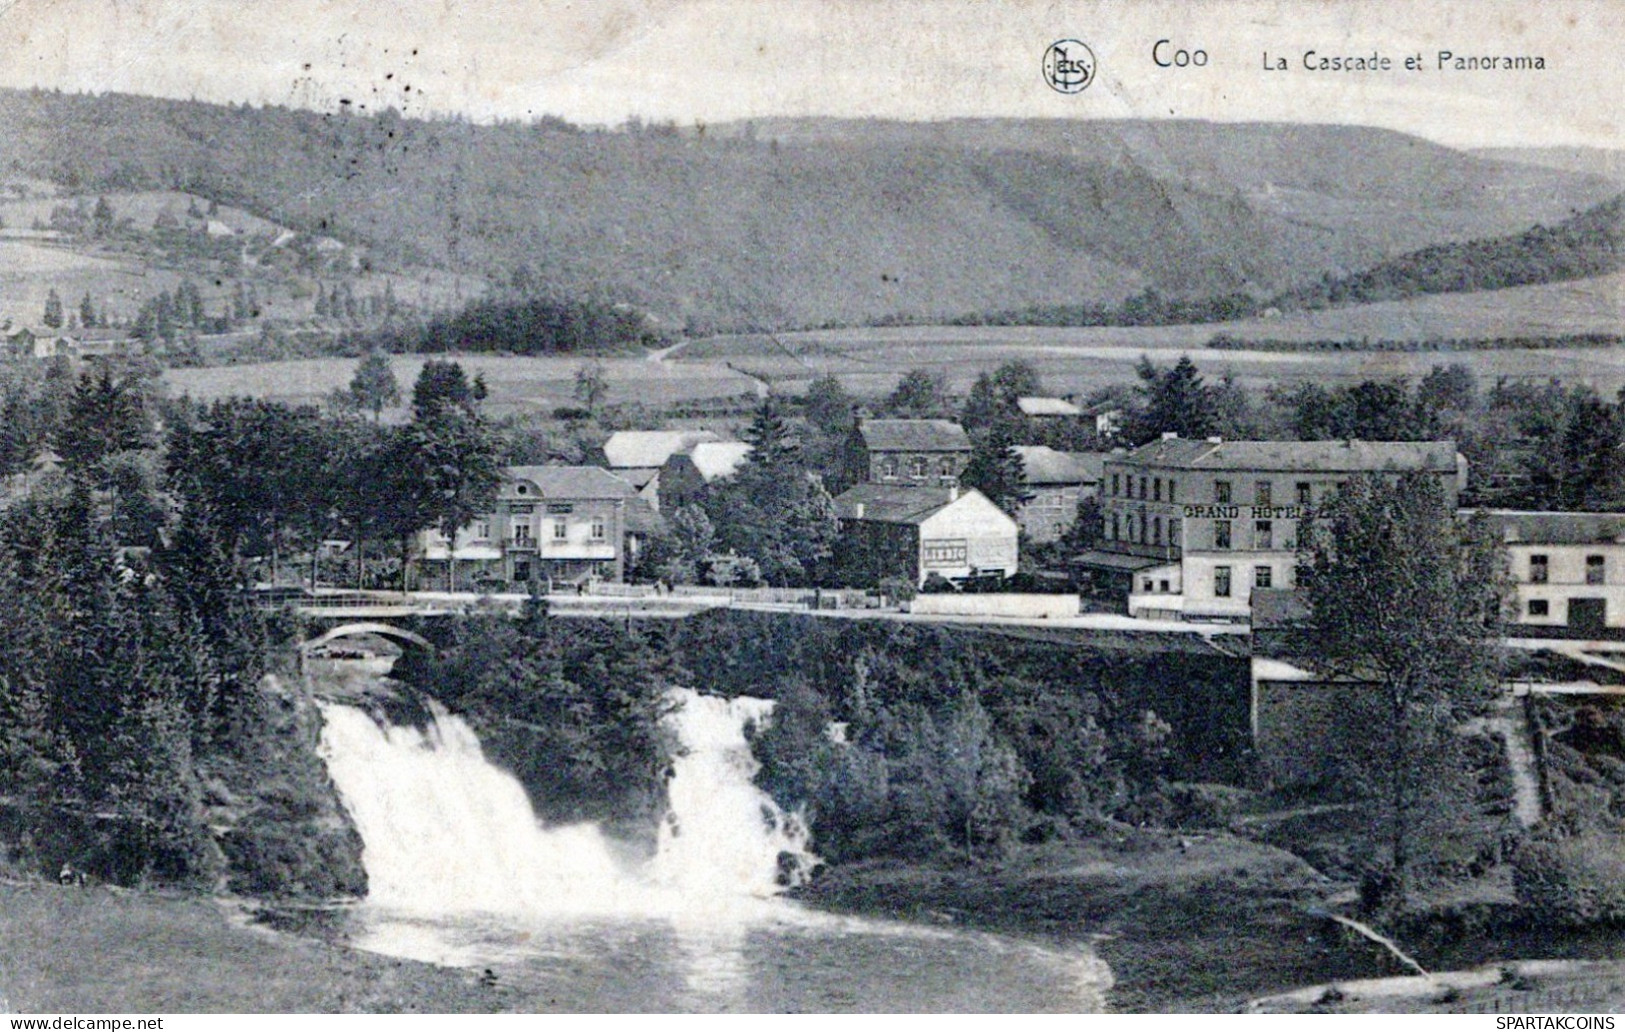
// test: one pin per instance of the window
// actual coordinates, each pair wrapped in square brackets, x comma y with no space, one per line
[1538,569]
[1262,576]
[1261,492]
[1173,489]
[559,531]
[1596,569]
[1143,495]
[482,530]
[1146,585]
[1156,530]
[1539,607]
[916,467]
[1221,492]
[1221,582]
[1162,586]
[888,467]
[1304,492]
[1116,486]
[1263,534]
[521,531]
[598,528]
[1115,535]
[1221,533]
[1156,489]
[1174,525]
[945,468]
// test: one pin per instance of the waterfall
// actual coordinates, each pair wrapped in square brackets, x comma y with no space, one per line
[446,832]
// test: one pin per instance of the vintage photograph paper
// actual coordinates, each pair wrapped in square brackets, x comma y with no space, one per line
[701,506]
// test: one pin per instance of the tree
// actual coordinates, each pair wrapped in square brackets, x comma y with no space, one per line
[996,469]
[53,310]
[982,408]
[828,406]
[446,470]
[1175,401]
[1405,607]
[442,386]
[592,385]
[87,312]
[769,438]
[102,218]
[374,385]
[106,415]
[1017,378]
[919,393]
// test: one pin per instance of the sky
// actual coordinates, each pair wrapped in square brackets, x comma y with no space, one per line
[689,61]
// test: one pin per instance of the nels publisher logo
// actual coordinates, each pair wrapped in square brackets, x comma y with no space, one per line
[1069,66]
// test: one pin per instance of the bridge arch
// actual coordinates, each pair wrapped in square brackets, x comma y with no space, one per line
[382,629]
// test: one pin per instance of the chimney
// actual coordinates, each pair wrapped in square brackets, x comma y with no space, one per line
[857,511]
[953,492]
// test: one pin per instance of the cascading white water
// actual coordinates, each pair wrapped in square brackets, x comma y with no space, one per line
[462,873]
[446,832]
[723,837]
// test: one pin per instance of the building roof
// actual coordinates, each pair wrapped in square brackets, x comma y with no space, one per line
[1118,561]
[651,447]
[1045,465]
[642,519]
[638,476]
[1047,407]
[1559,528]
[894,503]
[572,481]
[914,435]
[1305,456]
[716,459]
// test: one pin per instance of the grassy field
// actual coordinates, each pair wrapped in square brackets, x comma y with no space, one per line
[517,384]
[869,360]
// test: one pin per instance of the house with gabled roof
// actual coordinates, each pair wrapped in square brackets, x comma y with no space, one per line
[550,525]
[686,476]
[895,530]
[1056,482]
[913,452]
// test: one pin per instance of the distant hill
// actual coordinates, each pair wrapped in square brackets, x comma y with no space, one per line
[806,222]
[1597,161]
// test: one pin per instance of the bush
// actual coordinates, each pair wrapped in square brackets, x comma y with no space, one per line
[1572,881]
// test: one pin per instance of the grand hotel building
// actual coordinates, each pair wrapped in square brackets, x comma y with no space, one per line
[1190,528]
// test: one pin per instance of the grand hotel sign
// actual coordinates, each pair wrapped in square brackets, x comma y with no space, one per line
[1235,512]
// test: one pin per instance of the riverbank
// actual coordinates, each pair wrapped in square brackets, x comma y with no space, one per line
[1207,924]
[1192,924]
[97,949]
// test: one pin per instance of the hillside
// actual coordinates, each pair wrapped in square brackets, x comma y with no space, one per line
[792,223]
[1599,161]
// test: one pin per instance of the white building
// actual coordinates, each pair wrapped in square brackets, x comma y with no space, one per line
[1568,572]
[913,532]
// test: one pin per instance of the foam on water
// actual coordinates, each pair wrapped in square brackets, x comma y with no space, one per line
[447,832]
